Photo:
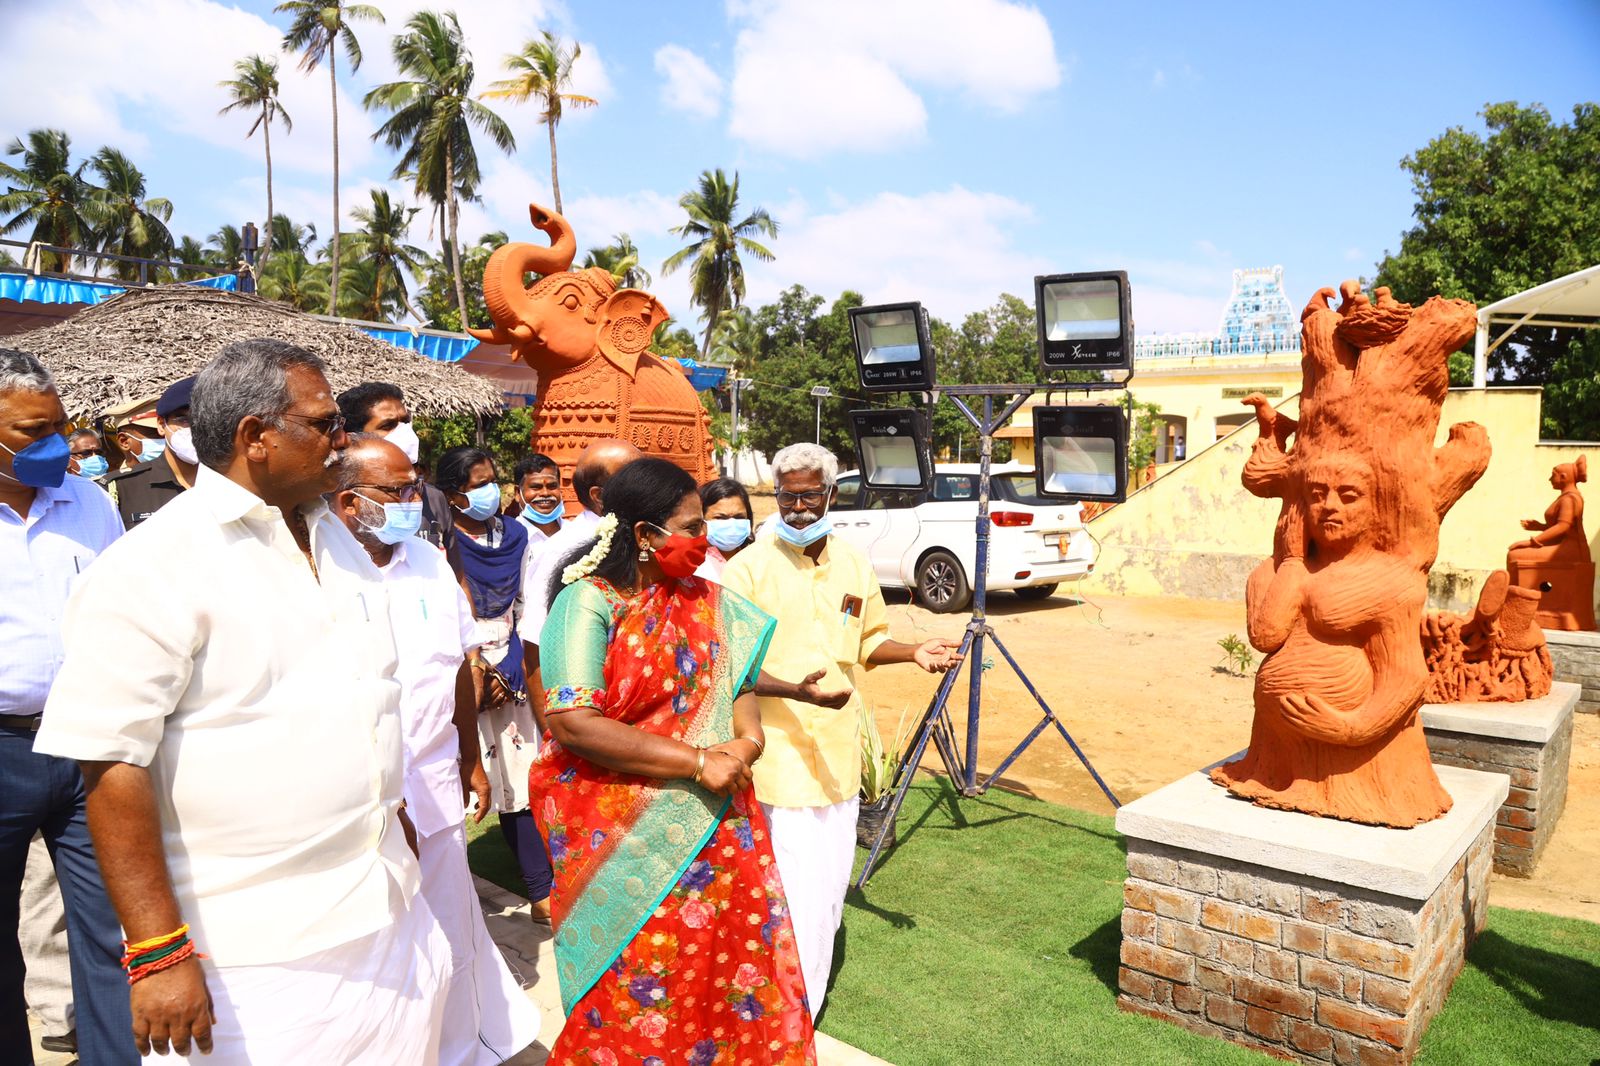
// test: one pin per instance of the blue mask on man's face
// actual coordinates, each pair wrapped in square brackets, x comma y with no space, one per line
[152,449]
[93,466]
[807,535]
[42,464]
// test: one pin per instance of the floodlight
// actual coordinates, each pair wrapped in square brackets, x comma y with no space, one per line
[892,449]
[1081,453]
[893,352]
[1085,321]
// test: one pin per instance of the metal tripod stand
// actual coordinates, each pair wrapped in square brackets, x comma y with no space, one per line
[936,724]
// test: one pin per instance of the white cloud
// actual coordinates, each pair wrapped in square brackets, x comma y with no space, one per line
[953,250]
[813,76]
[689,84]
[143,64]
[1158,80]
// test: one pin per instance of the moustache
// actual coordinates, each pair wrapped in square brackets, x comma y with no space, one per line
[801,519]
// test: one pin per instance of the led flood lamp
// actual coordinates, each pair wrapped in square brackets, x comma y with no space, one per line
[893,352]
[892,449]
[1085,321]
[1081,453]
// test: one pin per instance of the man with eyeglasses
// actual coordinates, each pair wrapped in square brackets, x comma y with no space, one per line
[87,455]
[831,625]
[143,490]
[487,1017]
[243,750]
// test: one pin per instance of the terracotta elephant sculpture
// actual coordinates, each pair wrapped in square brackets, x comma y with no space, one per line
[589,342]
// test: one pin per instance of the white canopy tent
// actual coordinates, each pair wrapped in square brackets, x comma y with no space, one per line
[1572,302]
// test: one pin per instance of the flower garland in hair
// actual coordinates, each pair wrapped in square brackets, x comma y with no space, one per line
[603,532]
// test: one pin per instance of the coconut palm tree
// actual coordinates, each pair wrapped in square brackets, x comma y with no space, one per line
[50,195]
[191,251]
[225,248]
[319,28]
[738,339]
[432,118]
[542,71]
[293,279]
[256,89]
[288,234]
[621,258]
[716,273]
[381,244]
[135,223]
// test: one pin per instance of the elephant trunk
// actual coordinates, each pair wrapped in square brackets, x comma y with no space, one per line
[503,292]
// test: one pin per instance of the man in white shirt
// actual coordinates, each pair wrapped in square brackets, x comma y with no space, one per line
[242,746]
[487,1017]
[596,465]
[52,527]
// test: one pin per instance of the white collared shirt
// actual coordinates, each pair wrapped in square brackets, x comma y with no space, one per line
[41,558]
[539,567]
[265,706]
[433,632]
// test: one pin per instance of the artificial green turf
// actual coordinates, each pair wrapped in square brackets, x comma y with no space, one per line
[990,936]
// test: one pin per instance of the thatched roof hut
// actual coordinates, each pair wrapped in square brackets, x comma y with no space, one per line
[138,343]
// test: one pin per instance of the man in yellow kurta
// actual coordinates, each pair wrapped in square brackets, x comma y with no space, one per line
[831,625]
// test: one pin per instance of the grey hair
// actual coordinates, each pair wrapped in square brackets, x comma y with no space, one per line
[800,457]
[354,466]
[21,372]
[247,378]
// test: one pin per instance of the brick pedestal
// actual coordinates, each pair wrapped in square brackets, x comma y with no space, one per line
[1577,659]
[1529,742]
[1306,938]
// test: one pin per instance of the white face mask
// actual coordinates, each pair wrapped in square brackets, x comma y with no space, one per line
[405,438]
[182,444]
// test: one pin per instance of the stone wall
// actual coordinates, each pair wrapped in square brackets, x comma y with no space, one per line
[1294,966]
[1577,659]
[1538,772]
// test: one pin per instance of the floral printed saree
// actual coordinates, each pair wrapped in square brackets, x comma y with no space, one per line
[673,940]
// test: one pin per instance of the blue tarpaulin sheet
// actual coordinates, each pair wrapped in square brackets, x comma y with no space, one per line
[21,287]
[439,349]
[704,377]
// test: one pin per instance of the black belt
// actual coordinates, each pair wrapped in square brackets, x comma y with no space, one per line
[29,722]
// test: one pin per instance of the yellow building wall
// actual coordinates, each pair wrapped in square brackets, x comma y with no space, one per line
[1196,532]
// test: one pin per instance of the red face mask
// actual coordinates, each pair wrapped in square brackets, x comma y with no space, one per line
[679,555]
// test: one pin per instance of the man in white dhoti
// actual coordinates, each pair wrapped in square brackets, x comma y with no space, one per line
[241,744]
[831,624]
[487,1016]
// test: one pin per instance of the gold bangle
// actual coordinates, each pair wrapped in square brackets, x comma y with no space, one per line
[761,745]
[699,764]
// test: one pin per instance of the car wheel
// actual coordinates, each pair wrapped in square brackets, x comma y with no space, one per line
[941,586]
[1036,592]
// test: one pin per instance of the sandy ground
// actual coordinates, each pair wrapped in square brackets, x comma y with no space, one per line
[1139,683]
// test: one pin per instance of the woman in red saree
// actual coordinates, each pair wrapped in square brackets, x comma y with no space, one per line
[673,940]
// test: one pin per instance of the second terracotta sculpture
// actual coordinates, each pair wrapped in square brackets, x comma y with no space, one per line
[1338,608]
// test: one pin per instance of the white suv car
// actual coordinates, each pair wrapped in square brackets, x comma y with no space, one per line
[926,541]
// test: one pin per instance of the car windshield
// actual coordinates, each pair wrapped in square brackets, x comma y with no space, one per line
[1019,488]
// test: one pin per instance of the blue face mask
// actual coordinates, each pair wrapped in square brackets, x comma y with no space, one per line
[482,502]
[93,466]
[401,521]
[726,534]
[42,464]
[807,536]
[152,449]
[534,517]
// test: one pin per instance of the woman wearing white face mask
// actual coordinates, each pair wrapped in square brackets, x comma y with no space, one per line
[728,524]
[492,550]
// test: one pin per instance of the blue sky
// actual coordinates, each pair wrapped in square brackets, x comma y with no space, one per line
[910,149]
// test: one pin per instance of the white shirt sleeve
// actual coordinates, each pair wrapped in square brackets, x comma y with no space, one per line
[129,655]
[466,623]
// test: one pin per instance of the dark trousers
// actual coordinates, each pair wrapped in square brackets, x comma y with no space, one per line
[44,794]
[532,856]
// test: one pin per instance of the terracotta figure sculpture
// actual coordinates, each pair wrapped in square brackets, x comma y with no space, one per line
[1338,607]
[1555,560]
[589,342]
[1497,654]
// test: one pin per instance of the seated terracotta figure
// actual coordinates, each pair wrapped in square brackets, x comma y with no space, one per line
[1555,560]
[1497,654]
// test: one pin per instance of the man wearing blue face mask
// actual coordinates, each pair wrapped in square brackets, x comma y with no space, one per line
[487,1018]
[88,453]
[52,527]
[831,624]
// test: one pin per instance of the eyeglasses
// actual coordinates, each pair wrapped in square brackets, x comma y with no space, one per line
[85,453]
[180,421]
[407,493]
[330,426]
[810,499]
